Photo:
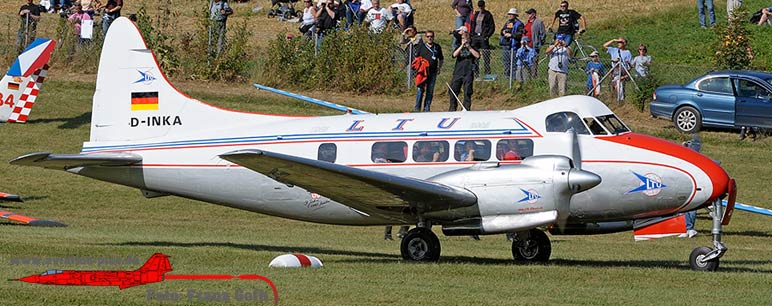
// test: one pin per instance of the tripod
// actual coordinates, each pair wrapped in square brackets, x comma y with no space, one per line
[620,72]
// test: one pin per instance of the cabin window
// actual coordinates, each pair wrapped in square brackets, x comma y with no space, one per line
[561,122]
[472,150]
[431,151]
[595,127]
[389,152]
[327,152]
[718,85]
[514,149]
[613,124]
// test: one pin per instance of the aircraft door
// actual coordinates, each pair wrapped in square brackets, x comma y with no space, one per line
[753,107]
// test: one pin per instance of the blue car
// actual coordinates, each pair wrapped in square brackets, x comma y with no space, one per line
[722,99]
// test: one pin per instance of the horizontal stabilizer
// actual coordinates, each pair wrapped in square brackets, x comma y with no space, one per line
[365,190]
[29,220]
[69,161]
[751,208]
[646,229]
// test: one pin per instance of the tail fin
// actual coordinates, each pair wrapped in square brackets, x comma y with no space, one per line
[134,100]
[158,263]
[20,86]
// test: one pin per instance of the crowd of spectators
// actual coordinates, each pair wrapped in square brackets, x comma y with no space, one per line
[79,13]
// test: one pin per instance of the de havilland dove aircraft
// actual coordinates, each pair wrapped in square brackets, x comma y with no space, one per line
[567,163]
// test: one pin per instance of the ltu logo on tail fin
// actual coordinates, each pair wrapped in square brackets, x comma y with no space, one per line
[147,78]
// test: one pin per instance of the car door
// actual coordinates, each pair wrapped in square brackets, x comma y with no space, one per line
[715,98]
[753,107]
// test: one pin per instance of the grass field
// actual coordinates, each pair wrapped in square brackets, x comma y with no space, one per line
[107,220]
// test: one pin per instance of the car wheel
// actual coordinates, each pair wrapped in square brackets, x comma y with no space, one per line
[687,120]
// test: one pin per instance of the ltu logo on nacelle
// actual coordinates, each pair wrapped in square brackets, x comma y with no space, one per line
[531,196]
[651,184]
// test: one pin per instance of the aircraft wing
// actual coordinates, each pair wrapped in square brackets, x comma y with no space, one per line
[751,208]
[365,190]
[69,161]
[10,197]
[29,220]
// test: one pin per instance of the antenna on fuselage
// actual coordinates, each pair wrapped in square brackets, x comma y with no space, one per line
[456,97]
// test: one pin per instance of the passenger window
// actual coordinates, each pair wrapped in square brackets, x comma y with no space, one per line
[431,151]
[719,85]
[613,124]
[472,150]
[594,126]
[327,152]
[561,122]
[750,89]
[514,149]
[389,152]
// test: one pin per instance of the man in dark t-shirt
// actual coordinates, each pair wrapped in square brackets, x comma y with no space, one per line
[567,22]
[463,72]
[29,14]
[432,52]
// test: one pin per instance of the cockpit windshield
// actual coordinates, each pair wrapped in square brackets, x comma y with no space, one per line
[613,124]
[49,272]
[561,122]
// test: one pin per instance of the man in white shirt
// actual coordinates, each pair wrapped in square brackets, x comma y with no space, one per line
[378,17]
[403,11]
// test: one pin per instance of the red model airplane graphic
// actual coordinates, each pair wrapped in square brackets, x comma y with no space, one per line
[152,271]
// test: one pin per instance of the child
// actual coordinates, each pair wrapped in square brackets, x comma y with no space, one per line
[524,55]
[594,66]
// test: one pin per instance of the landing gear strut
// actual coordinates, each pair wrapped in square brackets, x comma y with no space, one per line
[531,246]
[420,244]
[704,258]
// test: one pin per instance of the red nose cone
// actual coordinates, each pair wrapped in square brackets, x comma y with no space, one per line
[718,177]
[31,279]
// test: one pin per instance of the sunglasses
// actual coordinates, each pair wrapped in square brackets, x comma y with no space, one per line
[429,36]
[564,6]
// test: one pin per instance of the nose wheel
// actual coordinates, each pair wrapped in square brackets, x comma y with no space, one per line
[704,258]
[531,246]
[420,244]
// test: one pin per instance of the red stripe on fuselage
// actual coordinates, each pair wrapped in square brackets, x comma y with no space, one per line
[718,177]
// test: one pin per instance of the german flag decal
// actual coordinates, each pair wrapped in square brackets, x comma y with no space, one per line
[144,101]
[13,86]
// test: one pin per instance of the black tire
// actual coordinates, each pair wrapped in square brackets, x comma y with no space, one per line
[699,253]
[687,120]
[536,249]
[420,244]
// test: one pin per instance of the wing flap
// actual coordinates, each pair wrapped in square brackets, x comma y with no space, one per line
[365,190]
[69,161]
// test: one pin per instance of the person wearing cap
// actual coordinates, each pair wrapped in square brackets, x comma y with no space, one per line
[559,53]
[463,72]
[482,27]
[525,55]
[462,9]
[511,33]
[567,21]
[620,58]
[378,17]
[29,14]
[594,66]
[536,33]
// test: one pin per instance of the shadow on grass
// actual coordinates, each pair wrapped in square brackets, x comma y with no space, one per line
[745,233]
[69,123]
[258,247]
[383,258]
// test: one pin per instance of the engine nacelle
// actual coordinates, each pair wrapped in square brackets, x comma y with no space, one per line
[519,196]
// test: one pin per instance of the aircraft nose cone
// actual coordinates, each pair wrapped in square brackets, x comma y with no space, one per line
[29,279]
[581,180]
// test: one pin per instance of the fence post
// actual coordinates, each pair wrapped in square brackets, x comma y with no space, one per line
[511,63]
[409,62]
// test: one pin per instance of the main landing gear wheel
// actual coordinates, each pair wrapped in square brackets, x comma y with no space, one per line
[420,244]
[697,263]
[532,247]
